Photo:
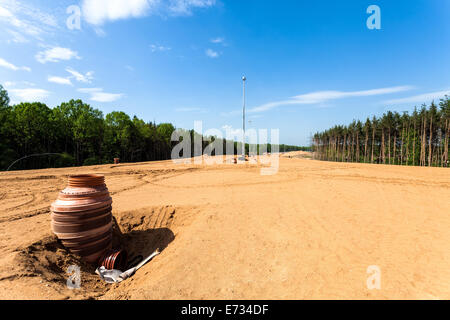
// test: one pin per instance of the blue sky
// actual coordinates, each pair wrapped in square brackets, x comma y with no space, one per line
[309,64]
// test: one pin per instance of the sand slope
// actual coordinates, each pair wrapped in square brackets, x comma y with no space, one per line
[308,232]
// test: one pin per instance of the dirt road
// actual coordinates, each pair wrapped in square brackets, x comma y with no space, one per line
[308,232]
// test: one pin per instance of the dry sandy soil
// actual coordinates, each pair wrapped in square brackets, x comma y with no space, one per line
[308,232]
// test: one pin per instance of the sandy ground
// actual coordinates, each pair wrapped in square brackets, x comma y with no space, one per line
[227,232]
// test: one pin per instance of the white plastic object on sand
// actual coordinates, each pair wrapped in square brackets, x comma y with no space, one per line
[115,276]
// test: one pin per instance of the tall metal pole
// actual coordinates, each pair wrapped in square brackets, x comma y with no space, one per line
[243,118]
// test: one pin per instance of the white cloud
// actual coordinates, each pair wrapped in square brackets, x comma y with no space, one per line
[97,12]
[218,40]
[211,53]
[100,32]
[324,96]
[56,54]
[185,7]
[5,13]
[28,94]
[9,84]
[155,48]
[422,98]
[17,37]
[24,20]
[59,80]
[86,78]
[8,65]
[97,94]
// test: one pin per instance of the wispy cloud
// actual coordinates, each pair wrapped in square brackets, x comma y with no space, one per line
[17,37]
[211,53]
[10,66]
[28,94]
[5,13]
[218,40]
[97,94]
[77,76]
[100,32]
[155,48]
[56,54]
[98,12]
[324,96]
[59,80]
[10,84]
[421,98]
[25,20]
[185,7]
[86,78]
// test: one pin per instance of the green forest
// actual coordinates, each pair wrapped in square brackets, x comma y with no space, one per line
[76,134]
[417,139]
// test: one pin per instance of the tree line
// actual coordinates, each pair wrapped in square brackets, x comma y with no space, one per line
[76,134]
[417,139]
